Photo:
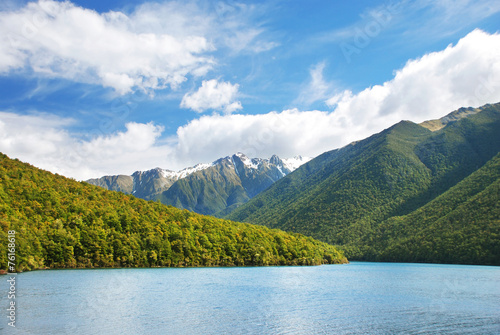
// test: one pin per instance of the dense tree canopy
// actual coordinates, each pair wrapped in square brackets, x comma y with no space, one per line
[62,223]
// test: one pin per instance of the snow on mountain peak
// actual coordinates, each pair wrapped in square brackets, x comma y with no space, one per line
[190,170]
[294,163]
[185,172]
[251,163]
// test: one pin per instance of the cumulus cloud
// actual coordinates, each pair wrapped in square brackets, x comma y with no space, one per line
[213,95]
[462,75]
[154,47]
[41,139]
[287,134]
[62,40]
[23,134]
[428,87]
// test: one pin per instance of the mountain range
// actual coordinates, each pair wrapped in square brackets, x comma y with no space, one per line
[426,192]
[211,189]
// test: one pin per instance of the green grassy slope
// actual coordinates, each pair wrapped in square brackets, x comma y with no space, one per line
[61,223]
[343,196]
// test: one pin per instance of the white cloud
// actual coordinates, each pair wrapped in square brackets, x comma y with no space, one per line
[417,23]
[138,137]
[213,95]
[429,87]
[232,26]
[444,15]
[316,89]
[158,45]
[463,75]
[287,134]
[62,40]
[248,40]
[41,139]
[22,135]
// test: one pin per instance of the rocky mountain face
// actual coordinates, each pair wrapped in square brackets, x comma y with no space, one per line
[143,184]
[213,189]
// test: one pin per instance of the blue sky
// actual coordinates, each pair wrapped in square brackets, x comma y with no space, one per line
[89,88]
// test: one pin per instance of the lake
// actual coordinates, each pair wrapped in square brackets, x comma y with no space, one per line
[357,298]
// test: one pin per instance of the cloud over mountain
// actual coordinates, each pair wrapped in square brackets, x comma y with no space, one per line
[465,74]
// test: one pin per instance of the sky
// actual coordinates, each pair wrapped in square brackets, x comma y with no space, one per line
[93,88]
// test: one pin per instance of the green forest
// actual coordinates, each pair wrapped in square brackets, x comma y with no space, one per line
[407,194]
[62,223]
[460,226]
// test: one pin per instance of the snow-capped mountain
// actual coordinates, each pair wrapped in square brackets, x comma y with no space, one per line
[215,188]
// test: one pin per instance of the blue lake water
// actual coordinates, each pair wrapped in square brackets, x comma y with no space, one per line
[358,298]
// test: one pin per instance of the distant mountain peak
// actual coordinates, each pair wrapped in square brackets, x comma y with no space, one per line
[251,163]
[231,180]
[153,172]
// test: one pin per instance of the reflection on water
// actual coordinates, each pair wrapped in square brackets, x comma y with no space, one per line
[358,298]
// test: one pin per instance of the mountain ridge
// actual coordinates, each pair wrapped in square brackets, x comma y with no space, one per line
[191,188]
[342,196]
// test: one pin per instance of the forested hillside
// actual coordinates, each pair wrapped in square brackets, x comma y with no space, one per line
[460,226]
[348,196]
[61,223]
